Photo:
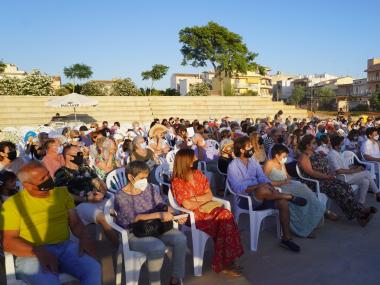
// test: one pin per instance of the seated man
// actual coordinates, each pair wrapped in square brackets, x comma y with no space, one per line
[370,148]
[36,224]
[246,177]
[355,174]
[87,190]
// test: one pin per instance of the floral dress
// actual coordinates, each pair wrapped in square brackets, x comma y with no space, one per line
[335,189]
[219,224]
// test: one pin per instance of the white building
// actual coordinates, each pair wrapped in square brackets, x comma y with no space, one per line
[11,70]
[182,82]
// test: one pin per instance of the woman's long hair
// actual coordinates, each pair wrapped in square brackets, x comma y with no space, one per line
[183,163]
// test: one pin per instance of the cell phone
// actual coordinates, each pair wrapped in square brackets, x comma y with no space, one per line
[190,132]
[178,217]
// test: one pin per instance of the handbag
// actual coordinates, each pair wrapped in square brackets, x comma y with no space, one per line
[209,206]
[147,228]
[153,227]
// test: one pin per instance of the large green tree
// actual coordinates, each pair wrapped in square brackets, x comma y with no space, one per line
[157,72]
[124,87]
[223,49]
[326,98]
[298,94]
[77,71]
[94,88]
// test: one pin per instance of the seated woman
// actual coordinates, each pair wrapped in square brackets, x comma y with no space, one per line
[141,152]
[303,220]
[157,141]
[258,146]
[351,142]
[192,191]
[138,201]
[324,145]
[315,166]
[104,156]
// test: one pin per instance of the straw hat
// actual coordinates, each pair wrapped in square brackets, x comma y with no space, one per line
[157,129]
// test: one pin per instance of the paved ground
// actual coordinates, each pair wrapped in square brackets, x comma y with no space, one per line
[342,253]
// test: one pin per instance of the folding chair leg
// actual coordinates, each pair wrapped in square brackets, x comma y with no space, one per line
[255,220]
[199,242]
[133,261]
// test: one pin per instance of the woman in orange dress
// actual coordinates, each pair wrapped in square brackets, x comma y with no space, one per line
[191,190]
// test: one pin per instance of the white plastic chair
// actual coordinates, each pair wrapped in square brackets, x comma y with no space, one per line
[199,238]
[170,159]
[255,217]
[116,180]
[132,260]
[11,272]
[350,157]
[159,175]
[202,167]
[376,168]
[321,196]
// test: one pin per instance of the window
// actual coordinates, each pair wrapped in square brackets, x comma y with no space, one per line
[377,76]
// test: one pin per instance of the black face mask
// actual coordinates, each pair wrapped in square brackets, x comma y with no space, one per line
[12,155]
[47,185]
[249,153]
[78,159]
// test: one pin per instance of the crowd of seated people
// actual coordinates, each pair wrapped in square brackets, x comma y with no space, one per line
[53,181]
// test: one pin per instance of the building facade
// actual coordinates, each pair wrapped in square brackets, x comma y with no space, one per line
[373,75]
[182,82]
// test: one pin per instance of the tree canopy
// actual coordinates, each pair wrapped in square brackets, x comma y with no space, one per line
[2,66]
[298,95]
[124,87]
[157,72]
[78,71]
[199,89]
[217,45]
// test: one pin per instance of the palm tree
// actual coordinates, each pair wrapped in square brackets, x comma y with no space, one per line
[77,71]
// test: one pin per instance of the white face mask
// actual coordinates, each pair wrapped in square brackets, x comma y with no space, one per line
[92,129]
[143,145]
[376,137]
[75,139]
[141,184]
[284,160]
[60,149]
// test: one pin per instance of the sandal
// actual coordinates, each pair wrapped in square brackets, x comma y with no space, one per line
[299,201]
[331,216]
[231,272]
[364,220]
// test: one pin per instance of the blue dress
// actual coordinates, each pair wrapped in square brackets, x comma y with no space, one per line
[303,220]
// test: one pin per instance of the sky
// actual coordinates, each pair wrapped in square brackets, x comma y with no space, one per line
[123,38]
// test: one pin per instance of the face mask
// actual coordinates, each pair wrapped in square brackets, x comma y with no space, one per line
[143,145]
[47,185]
[92,129]
[284,160]
[248,153]
[76,139]
[12,155]
[141,184]
[60,149]
[376,137]
[78,159]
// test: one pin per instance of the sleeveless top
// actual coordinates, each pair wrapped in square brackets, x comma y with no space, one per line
[277,175]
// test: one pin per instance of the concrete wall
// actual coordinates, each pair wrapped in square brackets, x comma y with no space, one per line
[32,111]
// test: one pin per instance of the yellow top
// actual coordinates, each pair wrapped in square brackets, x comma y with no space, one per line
[39,220]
